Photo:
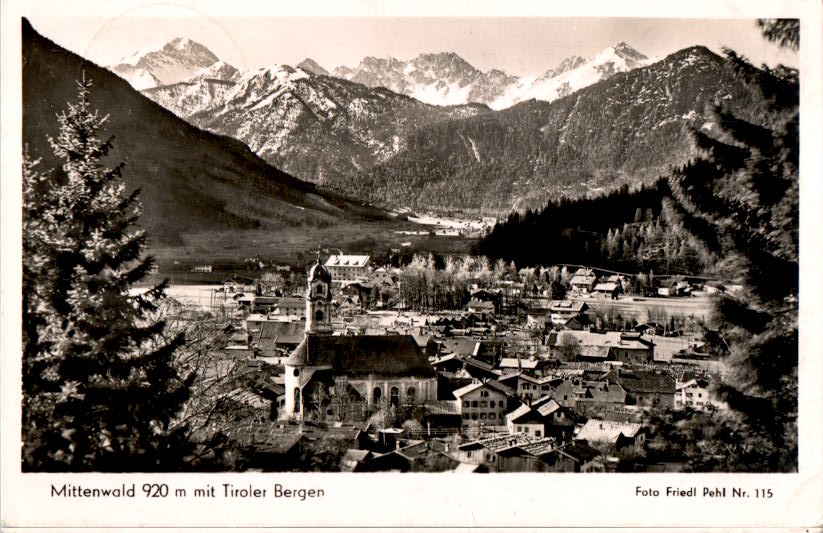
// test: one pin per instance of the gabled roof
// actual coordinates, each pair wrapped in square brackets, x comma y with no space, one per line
[548,408]
[612,393]
[539,447]
[608,287]
[359,355]
[523,414]
[492,384]
[459,345]
[644,381]
[441,407]
[477,363]
[347,260]
[270,333]
[579,451]
[513,375]
[598,352]
[597,430]
[512,362]
[570,306]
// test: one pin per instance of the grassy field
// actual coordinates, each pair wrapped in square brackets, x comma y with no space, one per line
[639,307]
[296,245]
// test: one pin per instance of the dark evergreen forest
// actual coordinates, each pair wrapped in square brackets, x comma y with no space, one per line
[623,230]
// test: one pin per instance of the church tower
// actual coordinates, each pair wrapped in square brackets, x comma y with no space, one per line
[318,299]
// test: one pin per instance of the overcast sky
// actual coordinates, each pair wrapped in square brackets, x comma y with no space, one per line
[520,46]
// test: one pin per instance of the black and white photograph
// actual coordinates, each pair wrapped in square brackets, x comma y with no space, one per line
[321,243]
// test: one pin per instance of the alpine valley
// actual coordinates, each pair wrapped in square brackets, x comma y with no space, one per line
[434,132]
[203,195]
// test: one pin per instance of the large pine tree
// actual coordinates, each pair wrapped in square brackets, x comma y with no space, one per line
[739,199]
[100,390]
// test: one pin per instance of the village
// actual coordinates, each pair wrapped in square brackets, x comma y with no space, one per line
[352,366]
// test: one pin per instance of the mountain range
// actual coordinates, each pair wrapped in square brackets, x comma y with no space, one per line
[447,79]
[629,129]
[326,129]
[202,194]
[374,131]
[442,79]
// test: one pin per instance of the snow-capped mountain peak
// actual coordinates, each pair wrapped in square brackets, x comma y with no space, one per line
[218,71]
[571,75]
[310,65]
[164,64]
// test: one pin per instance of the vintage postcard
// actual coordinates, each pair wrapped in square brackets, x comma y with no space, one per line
[411,265]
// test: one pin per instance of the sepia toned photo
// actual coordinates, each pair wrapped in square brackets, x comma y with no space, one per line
[441,245]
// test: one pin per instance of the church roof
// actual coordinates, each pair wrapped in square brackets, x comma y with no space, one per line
[361,355]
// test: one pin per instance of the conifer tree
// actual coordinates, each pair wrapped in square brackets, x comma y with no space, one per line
[739,200]
[100,390]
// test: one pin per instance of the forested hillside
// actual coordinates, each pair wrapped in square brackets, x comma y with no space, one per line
[629,129]
[623,230]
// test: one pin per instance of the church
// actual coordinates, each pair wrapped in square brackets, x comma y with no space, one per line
[327,372]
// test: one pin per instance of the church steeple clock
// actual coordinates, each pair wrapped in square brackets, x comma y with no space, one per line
[318,299]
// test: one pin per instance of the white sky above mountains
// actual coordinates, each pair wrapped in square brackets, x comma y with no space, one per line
[517,45]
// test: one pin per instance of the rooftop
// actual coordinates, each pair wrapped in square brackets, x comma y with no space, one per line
[359,355]
[347,260]
[597,430]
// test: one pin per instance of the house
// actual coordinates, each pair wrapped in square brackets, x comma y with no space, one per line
[526,420]
[515,364]
[381,278]
[427,456]
[645,387]
[537,317]
[507,453]
[579,322]
[369,370]
[559,421]
[542,418]
[525,386]
[473,369]
[355,460]
[626,347]
[650,328]
[583,281]
[692,393]
[618,279]
[603,393]
[607,289]
[633,348]
[483,402]
[272,337]
[494,297]
[674,286]
[574,457]
[347,268]
[280,453]
[290,306]
[441,414]
[560,311]
[480,306]
[618,434]
[238,284]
